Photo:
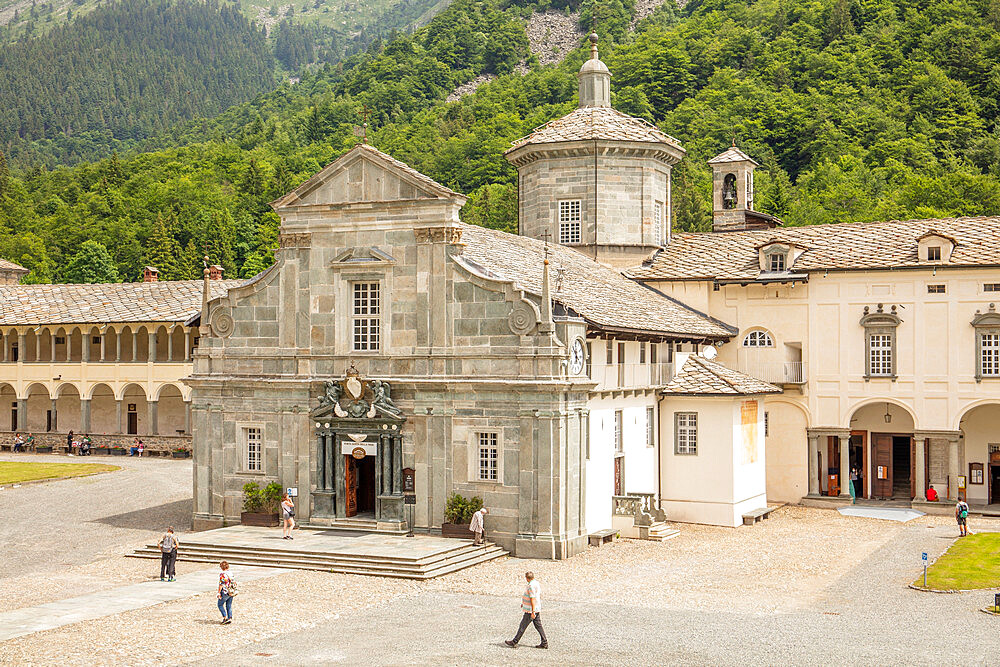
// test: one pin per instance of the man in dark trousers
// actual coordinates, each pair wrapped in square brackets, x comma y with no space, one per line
[531,605]
[168,555]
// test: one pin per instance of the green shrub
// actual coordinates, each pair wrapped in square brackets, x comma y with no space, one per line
[253,497]
[460,509]
[272,497]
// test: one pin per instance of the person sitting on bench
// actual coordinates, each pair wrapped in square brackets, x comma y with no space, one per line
[932,495]
[18,443]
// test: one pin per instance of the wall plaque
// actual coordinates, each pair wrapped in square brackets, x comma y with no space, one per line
[975,473]
[359,453]
[409,481]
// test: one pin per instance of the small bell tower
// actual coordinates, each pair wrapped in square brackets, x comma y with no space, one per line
[732,193]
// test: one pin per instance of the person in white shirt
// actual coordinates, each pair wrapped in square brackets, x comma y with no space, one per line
[476,525]
[531,605]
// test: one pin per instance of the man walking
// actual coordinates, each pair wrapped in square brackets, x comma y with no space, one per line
[962,516]
[476,525]
[168,555]
[531,605]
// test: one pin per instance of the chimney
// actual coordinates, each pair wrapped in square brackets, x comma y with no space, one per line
[215,272]
[150,274]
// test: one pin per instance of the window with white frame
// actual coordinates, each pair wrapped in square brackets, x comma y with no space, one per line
[489,456]
[989,354]
[650,427]
[609,352]
[758,339]
[933,253]
[619,445]
[366,317]
[642,352]
[253,445]
[685,432]
[589,357]
[776,261]
[658,235]
[880,354]
[570,222]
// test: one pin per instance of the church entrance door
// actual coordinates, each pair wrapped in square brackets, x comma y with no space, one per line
[351,484]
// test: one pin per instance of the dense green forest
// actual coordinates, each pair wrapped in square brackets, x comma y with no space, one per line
[856,109]
[129,70]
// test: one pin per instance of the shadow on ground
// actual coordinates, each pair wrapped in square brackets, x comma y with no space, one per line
[176,514]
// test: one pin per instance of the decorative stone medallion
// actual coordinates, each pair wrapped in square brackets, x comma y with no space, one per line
[222,323]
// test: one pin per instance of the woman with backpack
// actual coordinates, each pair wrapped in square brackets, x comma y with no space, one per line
[227,591]
[287,517]
[168,555]
[962,516]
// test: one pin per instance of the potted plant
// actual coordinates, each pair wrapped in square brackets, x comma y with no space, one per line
[103,450]
[458,514]
[260,506]
[180,452]
[43,449]
[117,450]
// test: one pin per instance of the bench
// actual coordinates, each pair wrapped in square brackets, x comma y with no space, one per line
[602,537]
[750,518]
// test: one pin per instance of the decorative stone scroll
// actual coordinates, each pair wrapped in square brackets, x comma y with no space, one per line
[452,235]
[523,318]
[222,322]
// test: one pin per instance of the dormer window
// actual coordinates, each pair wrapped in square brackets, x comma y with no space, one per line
[934,253]
[935,247]
[776,261]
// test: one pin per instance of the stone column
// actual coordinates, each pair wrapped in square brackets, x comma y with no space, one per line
[55,417]
[118,414]
[38,344]
[845,465]
[813,465]
[20,346]
[920,448]
[151,355]
[187,345]
[397,465]
[6,345]
[135,346]
[953,469]
[85,415]
[187,417]
[118,346]
[22,414]
[151,409]
[104,346]
[52,346]
[84,347]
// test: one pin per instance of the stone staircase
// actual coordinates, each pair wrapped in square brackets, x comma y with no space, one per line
[444,561]
[649,522]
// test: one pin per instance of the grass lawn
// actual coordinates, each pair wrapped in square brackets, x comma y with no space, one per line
[971,562]
[13,472]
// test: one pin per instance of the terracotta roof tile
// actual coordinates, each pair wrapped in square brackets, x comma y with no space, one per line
[165,301]
[833,247]
[699,376]
[599,294]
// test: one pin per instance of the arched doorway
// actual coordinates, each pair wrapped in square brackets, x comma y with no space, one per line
[67,417]
[8,404]
[171,411]
[103,410]
[40,417]
[881,442]
[980,428]
[135,410]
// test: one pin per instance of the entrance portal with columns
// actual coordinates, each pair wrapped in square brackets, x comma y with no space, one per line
[359,453]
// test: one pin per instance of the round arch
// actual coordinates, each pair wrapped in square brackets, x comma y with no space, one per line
[103,409]
[757,337]
[38,400]
[910,412]
[68,413]
[135,409]
[969,407]
[8,403]
[171,410]
[126,337]
[978,423]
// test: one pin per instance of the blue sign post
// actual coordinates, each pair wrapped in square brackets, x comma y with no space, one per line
[923,557]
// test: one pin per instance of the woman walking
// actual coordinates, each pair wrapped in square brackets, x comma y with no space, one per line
[287,517]
[168,555]
[227,591]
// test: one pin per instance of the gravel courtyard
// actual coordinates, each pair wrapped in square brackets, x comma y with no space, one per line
[807,586]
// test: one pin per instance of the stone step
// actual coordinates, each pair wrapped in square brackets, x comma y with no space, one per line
[322,559]
[457,561]
[660,532]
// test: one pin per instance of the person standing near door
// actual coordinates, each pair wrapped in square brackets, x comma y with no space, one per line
[854,485]
[168,555]
[962,516]
[531,605]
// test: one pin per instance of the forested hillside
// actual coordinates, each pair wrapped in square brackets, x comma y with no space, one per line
[129,70]
[857,110]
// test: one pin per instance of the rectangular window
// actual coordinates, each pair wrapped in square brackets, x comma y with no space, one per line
[880,354]
[366,320]
[650,427]
[934,253]
[642,353]
[609,352]
[570,222]
[989,355]
[767,429]
[776,261]
[686,432]
[96,340]
[254,446]
[653,347]
[621,353]
[991,287]
[658,235]
[618,431]
[60,340]
[589,356]
[935,289]
[489,456]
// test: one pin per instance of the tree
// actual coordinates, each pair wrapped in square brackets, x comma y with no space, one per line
[91,264]
[219,241]
[163,251]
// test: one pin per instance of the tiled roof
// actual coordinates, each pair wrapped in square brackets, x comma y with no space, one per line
[165,301]
[733,154]
[833,247]
[601,295]
[11,266]
[595,123]
[699,376]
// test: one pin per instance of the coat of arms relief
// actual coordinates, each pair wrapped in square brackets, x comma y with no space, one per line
[356,397]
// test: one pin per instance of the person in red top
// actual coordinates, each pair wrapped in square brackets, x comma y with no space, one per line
[932,495]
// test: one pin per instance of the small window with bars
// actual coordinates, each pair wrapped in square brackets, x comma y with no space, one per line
[989,354]
[489,456]
[570,230]
[253,444]
[366,320]
[934,253]
[935,289]
[609,352]
[650,427]
[880,355]
[658,235]
[619,445]
[991,287]
[776,261]
[686,432]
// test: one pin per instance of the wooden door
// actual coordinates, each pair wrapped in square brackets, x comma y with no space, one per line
[882,465]
[133,423]
[913,471]
[13,418]
[619,490]
[351,483]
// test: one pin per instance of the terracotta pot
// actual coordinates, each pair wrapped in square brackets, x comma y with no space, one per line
[266,519]
[458,530]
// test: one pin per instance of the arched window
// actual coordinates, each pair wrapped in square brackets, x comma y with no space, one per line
[758,339]
[729,191]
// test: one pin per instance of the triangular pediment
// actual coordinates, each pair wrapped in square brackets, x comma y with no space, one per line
[364,257]
[364,174]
